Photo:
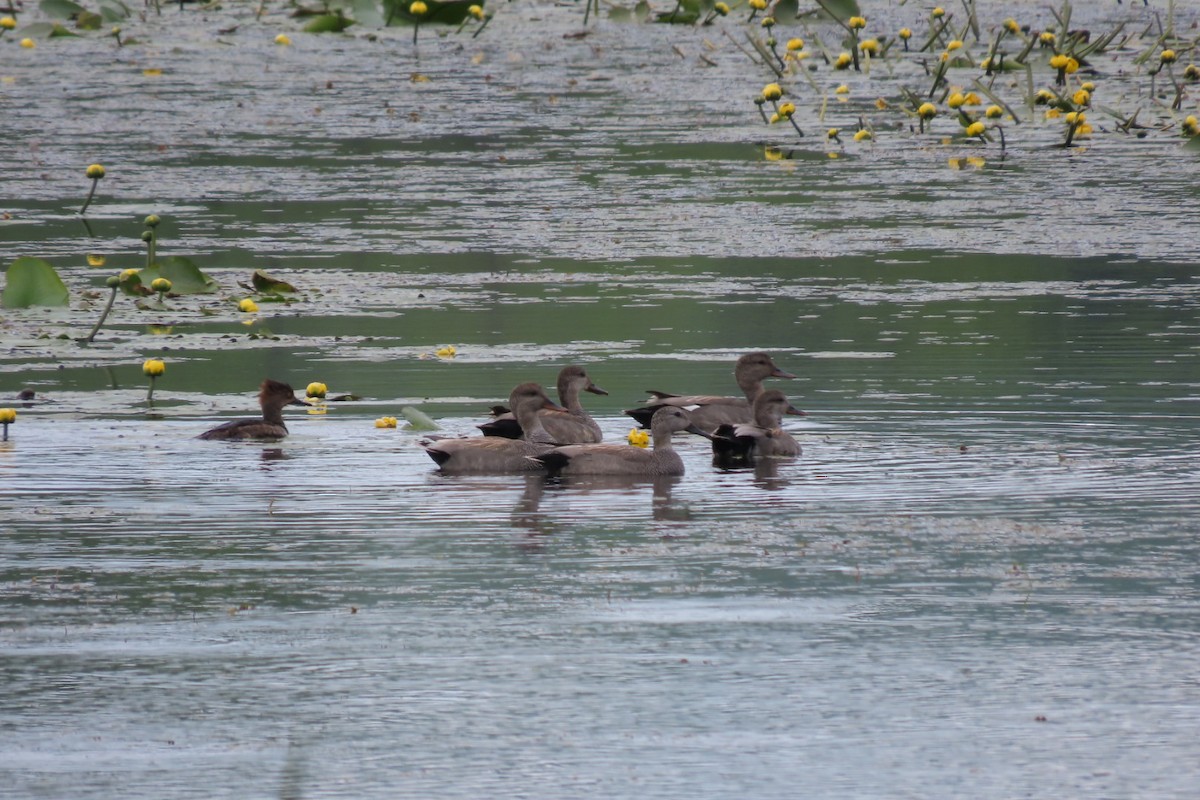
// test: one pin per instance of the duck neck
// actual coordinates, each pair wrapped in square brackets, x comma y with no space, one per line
[273,414]
[531,424]
[568,396]
[663,437]
[753,387]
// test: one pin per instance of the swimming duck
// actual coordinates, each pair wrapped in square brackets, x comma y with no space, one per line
[495,454]
[573,427]
[272,396]
[713,410]
[621,459]
[740,445]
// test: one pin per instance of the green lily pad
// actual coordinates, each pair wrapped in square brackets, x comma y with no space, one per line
[33,282]
[328,23]
[418,420]
[61,9]
[114,10]
[184,275]
[267,285]
[59,31]
[89,21]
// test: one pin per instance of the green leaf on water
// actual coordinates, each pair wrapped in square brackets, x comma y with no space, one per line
[184,275]
[418,420]
[58,31]
[1193,144]
[60,9]
[328,23]
[114,10]
[33,282]
[89,21]
[265,284]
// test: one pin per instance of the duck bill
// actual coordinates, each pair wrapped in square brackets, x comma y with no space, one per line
[553,406]
[693,428]
[778,373]
[594,389]
[795,411]
[296,401]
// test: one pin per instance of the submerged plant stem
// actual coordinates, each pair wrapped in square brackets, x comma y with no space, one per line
[90,195]
[103,315]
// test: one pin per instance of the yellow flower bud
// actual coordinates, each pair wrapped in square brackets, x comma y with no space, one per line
[248,306]
[927,111]
[1081,98]
[28,43]
[994,112]
[418,8]
[954,44]
[772,91]
[153,367]
[721,8]
[1047,37]
[971,99]
[1167,56]
[128,275]
[938,13]
[95,172]
[870,46]
[976,129]
[1191,126]
[956,100]
[475,11]
[160,285]
[385,422]
[758,5]
[843,61]
[832,133]
[858,23]
[316,389]
[843,89]
[7,23]
[283,39]
[862,135]
[1011,25]
[1192,72]
[7,416]
[1043,97]
[795,44]
[639,438]
[786,110]
[905,33]
[1059,61]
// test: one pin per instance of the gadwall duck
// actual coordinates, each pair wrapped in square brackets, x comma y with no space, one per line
[740,445]
[574,427]
[494,454]
[712,410]
[623,459]
[272,396]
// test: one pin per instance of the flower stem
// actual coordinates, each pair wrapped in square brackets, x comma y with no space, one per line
[150,394]
[91,193]
[103,316]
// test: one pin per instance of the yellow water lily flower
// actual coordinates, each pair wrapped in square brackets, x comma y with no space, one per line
[938,12]
[1167,56]
[418,8]
[8,415]
[1191,126]
[7,23]
[869,46]
[786,110]
[639,438]
[1059,61]
[843,89]
[1043,97]
[1011,25]
[95,171]
[954,44]
[927,111]
[1047,37]
[1082,97]
[862,135]
[28,43]
[96,259]
[475,11]
[956,100]
[385,422]
[843,61]
[993,112]
[758,5]
[1072,66]
[905,33]
[795,44]
[1192,72]
[316,389]
[248,306]
[449,351]
[857,23]
[153,367]
[976,129]
[721,8]
[772,91]
[160,285]
[283,39]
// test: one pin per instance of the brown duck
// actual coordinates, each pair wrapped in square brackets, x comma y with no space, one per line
[272,396]
[623,459]
[712,410]
[575,426]
[495,454]
[740,445]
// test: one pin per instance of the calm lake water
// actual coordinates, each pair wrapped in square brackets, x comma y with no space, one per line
[981,579]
